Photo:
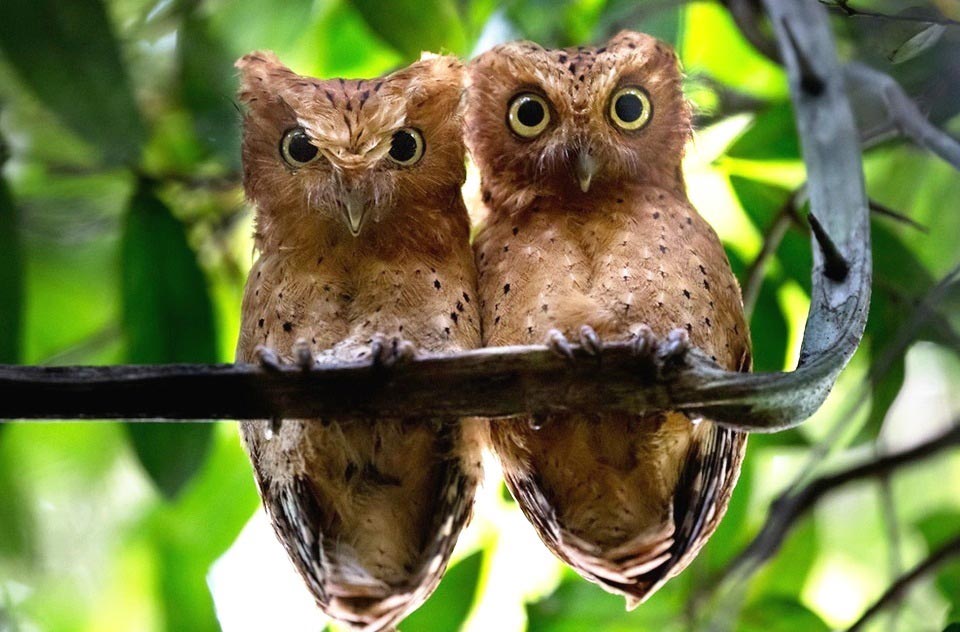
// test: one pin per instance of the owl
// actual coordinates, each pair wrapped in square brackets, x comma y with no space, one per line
[364,256]
[589,234]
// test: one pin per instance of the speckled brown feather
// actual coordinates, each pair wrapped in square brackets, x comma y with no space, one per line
[368,509]
[627,501]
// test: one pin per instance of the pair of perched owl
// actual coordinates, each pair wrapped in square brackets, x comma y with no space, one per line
[364,253]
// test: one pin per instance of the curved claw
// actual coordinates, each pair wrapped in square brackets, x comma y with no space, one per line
[386,352]
[267,358]
[303,354]
[559,344]
[590,341]
[675,347]
[645,343]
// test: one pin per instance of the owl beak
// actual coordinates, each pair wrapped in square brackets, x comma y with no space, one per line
[354,210]
[585,168]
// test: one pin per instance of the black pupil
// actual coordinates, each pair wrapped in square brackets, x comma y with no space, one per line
[530,113]
[300,148]
[403,147]
[629,108]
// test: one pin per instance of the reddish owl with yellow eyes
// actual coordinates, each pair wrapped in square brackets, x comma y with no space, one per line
[364,255]
[589,235]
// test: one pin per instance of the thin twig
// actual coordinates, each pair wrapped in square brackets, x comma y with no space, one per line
[886,211]
[904,115]
[771,242]
[787,509]
[899,588]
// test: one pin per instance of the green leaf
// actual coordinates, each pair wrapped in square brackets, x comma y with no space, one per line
[11,279]
[768,324]
[776,614]
[167,317]
[449,606]
[66,53]
[937,529]
[393,22]
[919,42]
[577,605]
[184,559]
[771,136]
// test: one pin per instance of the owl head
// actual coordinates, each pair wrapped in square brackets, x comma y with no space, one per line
[348,154]
[576,122]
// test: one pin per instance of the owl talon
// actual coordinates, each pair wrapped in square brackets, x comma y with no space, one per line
[675,347]
[303,354]
[590,341]
[388,352]
[645,343]
[559,344]
[267,358]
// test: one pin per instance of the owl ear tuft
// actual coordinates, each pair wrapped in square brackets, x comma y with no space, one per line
[432,77]
[256,70]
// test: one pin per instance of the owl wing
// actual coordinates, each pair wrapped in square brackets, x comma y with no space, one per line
[349,593]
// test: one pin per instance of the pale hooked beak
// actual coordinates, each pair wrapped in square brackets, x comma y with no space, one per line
[585,168]
[354,210]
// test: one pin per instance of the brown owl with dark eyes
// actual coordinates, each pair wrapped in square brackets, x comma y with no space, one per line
[589,234]
[364,255]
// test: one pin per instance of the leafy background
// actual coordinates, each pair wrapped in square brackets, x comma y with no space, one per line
[124,237]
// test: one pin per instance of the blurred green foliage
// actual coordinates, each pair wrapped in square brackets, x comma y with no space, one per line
[124,237]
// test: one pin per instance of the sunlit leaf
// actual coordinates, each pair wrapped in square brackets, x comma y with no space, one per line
[66,53]
[448,607]
[937,529]
[768,326]
[393,22]
[168,317]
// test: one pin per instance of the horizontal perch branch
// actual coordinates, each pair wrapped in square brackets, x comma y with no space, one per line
[510,380]
[495,382]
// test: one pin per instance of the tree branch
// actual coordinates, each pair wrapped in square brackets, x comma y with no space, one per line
[905,117]
[846,9]
[787,509]
[898,589]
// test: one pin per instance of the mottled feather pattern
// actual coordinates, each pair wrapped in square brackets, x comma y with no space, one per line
[626,500]
[369,510]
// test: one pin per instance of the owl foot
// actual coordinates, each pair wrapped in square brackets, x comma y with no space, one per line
[590,341]
[661,354]
[387,352]
[302,354]
[267,358]
[559,344]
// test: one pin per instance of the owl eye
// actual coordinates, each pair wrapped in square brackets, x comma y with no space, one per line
[406,147]
[296,148]
[528,115]
[630,108]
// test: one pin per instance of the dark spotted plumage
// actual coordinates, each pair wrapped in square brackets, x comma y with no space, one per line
[589,224]
[369,510]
